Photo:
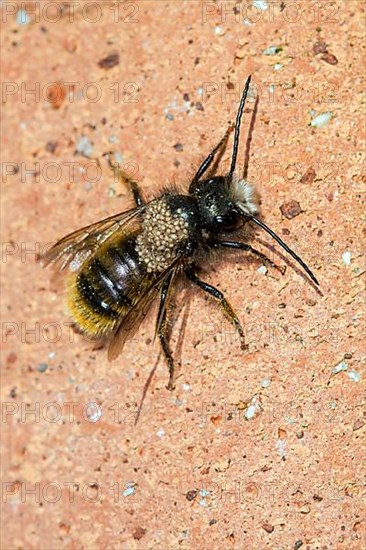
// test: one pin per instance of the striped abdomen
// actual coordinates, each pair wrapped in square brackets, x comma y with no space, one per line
[106,288]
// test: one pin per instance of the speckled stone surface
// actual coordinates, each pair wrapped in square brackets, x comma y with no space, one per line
[257,449]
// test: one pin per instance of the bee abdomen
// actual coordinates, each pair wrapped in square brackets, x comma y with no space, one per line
[95,297]
[106,289]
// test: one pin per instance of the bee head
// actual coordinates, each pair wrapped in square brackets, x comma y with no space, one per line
[217,199]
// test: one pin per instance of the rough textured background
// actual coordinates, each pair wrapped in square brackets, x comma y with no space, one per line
[252,450]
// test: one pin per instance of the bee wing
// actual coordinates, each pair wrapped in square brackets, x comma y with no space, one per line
[78,246]
[130,323]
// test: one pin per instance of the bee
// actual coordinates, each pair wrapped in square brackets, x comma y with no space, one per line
[119,265]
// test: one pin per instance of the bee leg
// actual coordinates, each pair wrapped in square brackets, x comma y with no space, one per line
[164,340]
[124,179]
[224,304]
[162,327]
[136,193]
[206,163]
[246,247]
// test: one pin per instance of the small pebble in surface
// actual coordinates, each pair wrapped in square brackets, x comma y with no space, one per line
[160,432]
[329,58]
[22,17]
[265,383]
[290,209]
[219,30]
[281,447]
[309,176]
[204,493]
[254,408]
[268,527]
[346,258]
[118,157]
[130,489]
[42,367]
[250,412]
[262,270]
[93,412]
[355,376]
[321,120]
[109,62]
[84,146]
[260,4]
[191,495]
[340,367]
[272,50]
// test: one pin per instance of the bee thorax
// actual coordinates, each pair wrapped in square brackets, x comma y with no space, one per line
[162,233]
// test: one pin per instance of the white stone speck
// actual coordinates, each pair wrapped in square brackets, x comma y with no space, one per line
[93,412]
[346,258]
[118,156]
[22,17]
[262,270]
[272,50]
[130,489]
[355,376]
[281,447]
[253,409]
[160,432]
[321,120]
[265,383]
[250,412]
[342,366]
[84,146]
[260,4]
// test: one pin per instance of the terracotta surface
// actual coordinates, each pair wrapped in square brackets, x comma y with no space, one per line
[261,449]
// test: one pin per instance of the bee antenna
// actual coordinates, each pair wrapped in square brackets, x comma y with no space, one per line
[237,127]
[280,242]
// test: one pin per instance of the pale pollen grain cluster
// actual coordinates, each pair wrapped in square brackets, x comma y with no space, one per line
[162,232]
